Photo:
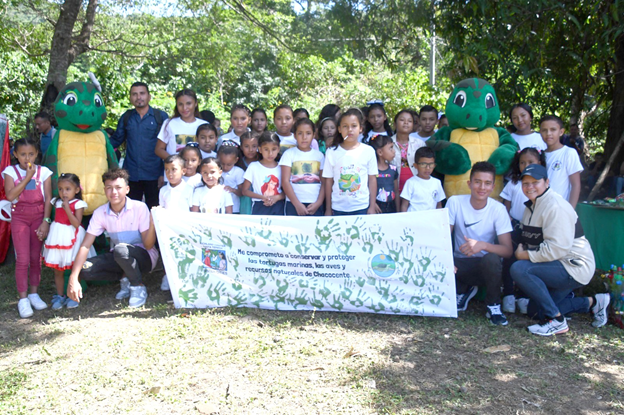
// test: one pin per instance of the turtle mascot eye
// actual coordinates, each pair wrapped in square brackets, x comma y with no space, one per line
[472,110]
[80,146]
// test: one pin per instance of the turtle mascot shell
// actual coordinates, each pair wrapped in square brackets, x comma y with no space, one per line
[472,111]
[80,146]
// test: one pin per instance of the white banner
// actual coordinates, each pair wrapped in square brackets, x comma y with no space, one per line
[393,263]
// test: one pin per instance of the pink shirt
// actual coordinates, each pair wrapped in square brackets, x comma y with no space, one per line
[126,227]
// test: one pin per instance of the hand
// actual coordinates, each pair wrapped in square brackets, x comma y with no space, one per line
[301,209]
[42,230]
[522,253]
[471,247]
[31,169]
[229,189]
[74,289]
[372,209]
[269,200]
[378,209]
[312,208]
[65,205]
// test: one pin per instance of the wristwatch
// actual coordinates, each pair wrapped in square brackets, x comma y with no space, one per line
[48,220]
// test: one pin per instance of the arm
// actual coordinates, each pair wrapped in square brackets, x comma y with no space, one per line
[194,208]
[451,158]
[111,157]
[246,191]
[507,204]
[502,157]
[119,137]
[234,191]
[575,191]
[313,207]
[290,192]
[161,149]
[74,290]
[12,191]
[229,209]
[149,236]
[329,184]
[504,248]
[439,205]
[44,228]
[404,205]
[372,190]
[397,198]
[76,219]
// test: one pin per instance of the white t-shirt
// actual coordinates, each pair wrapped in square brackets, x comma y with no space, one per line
[176,133]
[233,179]
[372,133]
[305,173]
[193,181]
[513,193]
[206,155]
[213,200]
[43,176]
[231,136]
[350,171]
[177,198]
[264,181]
[530,140]
[481,225]
[287,142]
[561,164]
[420,137]
[422,194]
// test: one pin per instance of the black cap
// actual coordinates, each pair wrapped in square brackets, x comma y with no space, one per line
[536,171]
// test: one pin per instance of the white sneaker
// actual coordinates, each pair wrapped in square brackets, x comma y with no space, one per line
[600,310]
[509,304]
[549,328]
[523,305]
[164,285]
[37,302]
[24,308]
[124,291]
[138,296]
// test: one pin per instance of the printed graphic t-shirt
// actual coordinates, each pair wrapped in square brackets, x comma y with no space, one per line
[305,173]
[176,133]
[264,181]
[385,184]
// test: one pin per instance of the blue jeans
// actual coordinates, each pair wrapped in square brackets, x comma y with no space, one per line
[548,285]
[355,212]
[292,211]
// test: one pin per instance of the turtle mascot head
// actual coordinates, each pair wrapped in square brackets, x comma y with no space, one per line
[80,107]
[473,105]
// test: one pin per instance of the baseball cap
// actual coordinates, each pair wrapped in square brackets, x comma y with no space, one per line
[536,171]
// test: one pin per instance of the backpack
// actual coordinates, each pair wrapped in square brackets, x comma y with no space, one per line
[157,116]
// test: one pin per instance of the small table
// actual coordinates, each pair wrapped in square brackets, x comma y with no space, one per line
[604,229]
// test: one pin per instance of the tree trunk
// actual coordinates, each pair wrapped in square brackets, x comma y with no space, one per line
[65,48]
[616,118]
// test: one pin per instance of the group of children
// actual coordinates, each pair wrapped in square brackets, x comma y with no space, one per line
[345,164]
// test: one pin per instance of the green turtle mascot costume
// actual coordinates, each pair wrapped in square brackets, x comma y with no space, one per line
[80,146]
[472,111]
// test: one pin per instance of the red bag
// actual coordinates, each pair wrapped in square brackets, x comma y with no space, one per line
[5,227]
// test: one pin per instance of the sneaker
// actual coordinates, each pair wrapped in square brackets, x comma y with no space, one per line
[549,328]
[138,295]
[124,291]
[600,310]
[509,304]
[36,302]
[58,301]
[24,308]
[495,315]
[71,303]
[523,305]
[463,299]
[164,285]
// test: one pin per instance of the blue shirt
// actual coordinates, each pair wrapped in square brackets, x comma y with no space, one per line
[141,136]
[46,139]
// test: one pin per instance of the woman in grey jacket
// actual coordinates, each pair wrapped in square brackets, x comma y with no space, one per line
[554,258]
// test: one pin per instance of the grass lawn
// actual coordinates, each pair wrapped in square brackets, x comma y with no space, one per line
[104,358]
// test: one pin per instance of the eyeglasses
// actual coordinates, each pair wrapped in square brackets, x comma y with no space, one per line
[426,165]
[192,144]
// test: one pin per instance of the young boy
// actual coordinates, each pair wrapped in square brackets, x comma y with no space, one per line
[428,119]
[563,163]
[131,231]
[207,140]
[232,174]
[176,195]
[422,192]
[478,221]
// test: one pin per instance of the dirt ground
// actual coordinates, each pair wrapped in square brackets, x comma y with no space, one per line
[105,358]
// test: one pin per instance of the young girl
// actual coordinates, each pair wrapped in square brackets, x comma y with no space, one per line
[262,179]
[514,199]
[259,120]
[350,169]
[388,200]
[406,144]
[66,235]
[207,139]
[29,188]
[521,116]
[326,133]
[377,121]
[284,121]
[239,121]
[249,150]
[300,113]
[211,196]
[179,130]
[192,159]
[302,167]
[232,174]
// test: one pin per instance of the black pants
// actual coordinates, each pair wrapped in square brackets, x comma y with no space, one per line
[124,259]
[149,188]
[387,207]
[484,271]
[290,210]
